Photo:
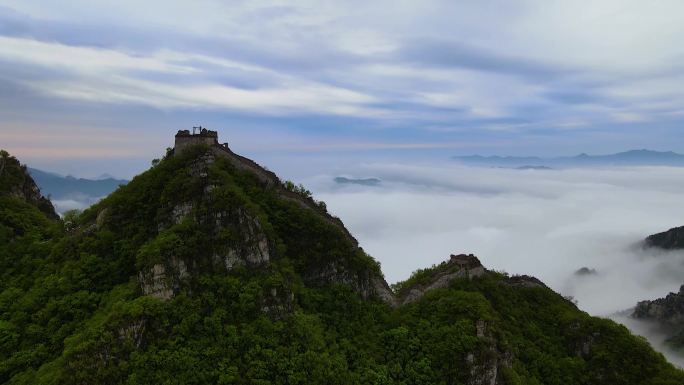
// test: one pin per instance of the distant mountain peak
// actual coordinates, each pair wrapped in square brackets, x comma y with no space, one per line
[358,181]
[635,157]
[78,192]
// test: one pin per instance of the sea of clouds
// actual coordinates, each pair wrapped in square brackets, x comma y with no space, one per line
[74,202]
[545,223]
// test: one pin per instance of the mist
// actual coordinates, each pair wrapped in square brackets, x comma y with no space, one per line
[545,223]
[74,202]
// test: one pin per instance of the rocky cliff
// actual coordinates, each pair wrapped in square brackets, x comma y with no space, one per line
[459,266]
[16,182]
[216,212]
[668,310]
[669,240]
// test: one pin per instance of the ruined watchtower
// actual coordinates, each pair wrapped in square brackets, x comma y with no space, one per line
[185,139]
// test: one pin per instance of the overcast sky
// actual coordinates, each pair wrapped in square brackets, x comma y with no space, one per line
[88,87]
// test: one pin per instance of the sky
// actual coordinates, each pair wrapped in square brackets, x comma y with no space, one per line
[93,87]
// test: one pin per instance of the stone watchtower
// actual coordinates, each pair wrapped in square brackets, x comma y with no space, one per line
[185,139]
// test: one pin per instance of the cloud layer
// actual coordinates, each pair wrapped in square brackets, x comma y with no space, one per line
[546,223]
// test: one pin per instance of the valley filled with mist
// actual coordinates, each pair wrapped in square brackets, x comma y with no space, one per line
[545,223]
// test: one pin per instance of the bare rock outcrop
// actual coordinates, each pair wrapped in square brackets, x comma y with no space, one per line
[524,281]
[485,367]
[16,182]
[366,282]
[163,280]
[668,311]
[669,240]
[459,266]
[251,248]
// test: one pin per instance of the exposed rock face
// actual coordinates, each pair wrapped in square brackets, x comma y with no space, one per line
[180,211]
[484,372]
[458,266]
[524,281]
[278,303]
[670,239]
[185,140]
[584,346]
[134,332]
[383,291]
[163,280]
[15,181]
[249,245]
[252,247]
[668,311]
[101,218]
[365,282]
[485,368]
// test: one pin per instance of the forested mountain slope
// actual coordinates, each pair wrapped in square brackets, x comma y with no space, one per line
[203,270]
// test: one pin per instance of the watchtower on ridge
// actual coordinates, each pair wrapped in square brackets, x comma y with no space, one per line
[199,135]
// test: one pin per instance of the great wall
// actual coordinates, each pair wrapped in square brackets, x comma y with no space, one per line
[201,136]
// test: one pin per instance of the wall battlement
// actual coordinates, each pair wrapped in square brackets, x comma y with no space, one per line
[185,139]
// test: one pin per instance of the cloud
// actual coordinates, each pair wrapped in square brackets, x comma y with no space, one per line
[546,223]
[432,63]
[457,54]
[80,203]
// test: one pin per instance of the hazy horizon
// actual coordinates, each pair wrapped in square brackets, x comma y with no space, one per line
[286,162]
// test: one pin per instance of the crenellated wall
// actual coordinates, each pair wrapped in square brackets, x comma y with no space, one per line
[185,139]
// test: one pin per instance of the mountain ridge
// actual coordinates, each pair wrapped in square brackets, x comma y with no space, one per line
[16,182]
[65,187]
[637,157]
[67,191]
[667,311]
[207,268]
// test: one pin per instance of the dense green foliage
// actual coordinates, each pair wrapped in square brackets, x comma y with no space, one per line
[15,181]
[419,277]
[72,310]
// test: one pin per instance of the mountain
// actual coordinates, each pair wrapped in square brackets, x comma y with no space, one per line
[628,158]
[360,181]
[668,240]
[84,191]
[667,312]
[207,268]
[16,183]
